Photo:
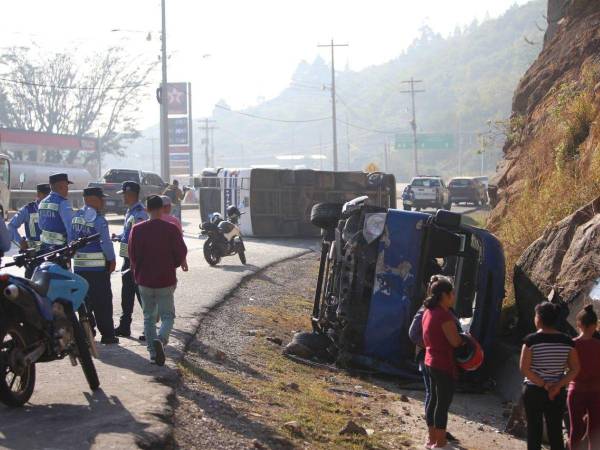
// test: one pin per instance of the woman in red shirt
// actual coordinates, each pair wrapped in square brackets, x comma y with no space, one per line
[440,337]
[583,397]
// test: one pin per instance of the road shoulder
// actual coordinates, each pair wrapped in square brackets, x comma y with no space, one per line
[238,391]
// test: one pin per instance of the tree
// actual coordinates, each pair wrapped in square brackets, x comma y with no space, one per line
[96,96]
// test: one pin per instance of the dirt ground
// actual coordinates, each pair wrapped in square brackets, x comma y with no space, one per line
[238,391]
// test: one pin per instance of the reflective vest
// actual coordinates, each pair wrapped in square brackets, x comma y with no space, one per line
[53,231]
[91,257]
[32,227]
[135,214]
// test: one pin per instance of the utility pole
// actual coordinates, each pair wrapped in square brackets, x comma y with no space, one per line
[212,147]
[385,157]
[320,151]
[98,154]
[333,115]
[164,101]
[347,143]
[413,123]
[460,145]
[152,140]
[207,129]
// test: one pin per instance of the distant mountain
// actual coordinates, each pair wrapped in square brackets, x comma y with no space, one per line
[468,79]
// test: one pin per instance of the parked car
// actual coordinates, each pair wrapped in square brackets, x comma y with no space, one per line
[375,265]
[467,190]
[426,192]
[150,183]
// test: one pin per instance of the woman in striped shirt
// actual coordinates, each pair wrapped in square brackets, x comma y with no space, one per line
[545,357]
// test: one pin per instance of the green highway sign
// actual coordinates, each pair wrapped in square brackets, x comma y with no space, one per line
[425,141]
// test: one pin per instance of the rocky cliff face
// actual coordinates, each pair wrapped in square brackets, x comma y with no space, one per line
[573,44]
[551,167]
[556,12]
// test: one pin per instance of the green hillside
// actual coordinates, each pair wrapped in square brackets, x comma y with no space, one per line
[468,77]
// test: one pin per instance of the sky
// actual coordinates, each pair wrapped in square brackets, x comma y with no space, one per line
[241,51]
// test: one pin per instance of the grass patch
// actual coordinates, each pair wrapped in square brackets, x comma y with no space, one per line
[476,218]
[287,391]
[557,183]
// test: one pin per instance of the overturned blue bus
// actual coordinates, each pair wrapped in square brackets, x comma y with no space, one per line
[375,265]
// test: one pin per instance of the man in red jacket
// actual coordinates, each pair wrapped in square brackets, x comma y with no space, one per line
[156,249]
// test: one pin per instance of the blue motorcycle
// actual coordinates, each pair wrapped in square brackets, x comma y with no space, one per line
[38,321]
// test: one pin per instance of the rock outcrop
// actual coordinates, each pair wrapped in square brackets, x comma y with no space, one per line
[551,165]
[556,12]
[573,42]
[566,260]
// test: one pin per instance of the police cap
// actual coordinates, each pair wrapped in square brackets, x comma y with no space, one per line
[56,177]
[129,186]
[43,188]
[94,192]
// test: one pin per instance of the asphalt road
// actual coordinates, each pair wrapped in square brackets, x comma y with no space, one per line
[131,405]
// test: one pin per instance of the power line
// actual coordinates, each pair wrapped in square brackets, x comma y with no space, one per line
[83,88]
[270,119]
[372,130]
[357,115]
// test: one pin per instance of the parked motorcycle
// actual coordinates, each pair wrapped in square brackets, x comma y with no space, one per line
[224,237]
[38,322]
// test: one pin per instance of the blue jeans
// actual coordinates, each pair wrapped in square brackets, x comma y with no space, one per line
[176,210]
[158,302]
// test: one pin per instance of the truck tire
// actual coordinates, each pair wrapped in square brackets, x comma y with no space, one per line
[325,215]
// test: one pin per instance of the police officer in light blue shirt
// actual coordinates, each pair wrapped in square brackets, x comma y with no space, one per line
[28,216]
[55,214]
[96,261]
[129,290]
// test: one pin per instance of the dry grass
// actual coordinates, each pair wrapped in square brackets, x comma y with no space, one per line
[319,412]
[558,182]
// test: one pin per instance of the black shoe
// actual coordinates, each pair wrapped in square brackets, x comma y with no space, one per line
[142,338]
[109,340]
[159,359]
[122,331]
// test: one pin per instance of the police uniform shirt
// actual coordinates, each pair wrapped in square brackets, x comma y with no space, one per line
[4,237]
[93,257]
[134,215]
[55,217]
[28,216]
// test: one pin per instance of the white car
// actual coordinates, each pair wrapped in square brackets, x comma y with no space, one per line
[426,192]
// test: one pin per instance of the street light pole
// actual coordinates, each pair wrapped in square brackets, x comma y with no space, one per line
[164,113]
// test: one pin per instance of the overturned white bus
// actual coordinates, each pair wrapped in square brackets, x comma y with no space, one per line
[277,202]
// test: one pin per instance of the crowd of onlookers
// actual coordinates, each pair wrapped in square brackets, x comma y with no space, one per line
[560,373]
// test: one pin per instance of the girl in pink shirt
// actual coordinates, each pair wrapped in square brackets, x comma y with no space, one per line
[583,397]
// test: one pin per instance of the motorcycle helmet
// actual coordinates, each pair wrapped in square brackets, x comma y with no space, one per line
[216,218]
[233,212]
[469,356]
